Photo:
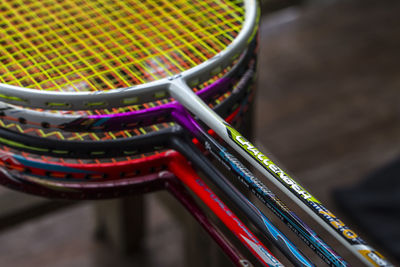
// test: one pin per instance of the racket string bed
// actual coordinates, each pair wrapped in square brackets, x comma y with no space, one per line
[91,46]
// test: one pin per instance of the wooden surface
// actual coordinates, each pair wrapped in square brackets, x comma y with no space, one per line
[328,109]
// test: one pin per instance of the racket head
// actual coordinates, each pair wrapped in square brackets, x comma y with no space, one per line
[117,144]
[64,146]
[96,168]
[95,120]
[92,54]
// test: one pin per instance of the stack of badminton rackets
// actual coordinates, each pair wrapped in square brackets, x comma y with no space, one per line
[105,98]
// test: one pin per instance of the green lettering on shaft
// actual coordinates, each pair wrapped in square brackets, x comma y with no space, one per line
[268,164]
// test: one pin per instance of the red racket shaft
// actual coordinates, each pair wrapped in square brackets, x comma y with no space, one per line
[178,191]
[184,172]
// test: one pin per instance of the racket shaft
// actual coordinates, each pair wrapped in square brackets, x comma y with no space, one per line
[188,149]
[180,91]
[188,176]
[271,201]
[181,194]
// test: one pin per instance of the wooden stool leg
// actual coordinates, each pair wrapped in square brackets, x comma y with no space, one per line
[199,250]
[121,223]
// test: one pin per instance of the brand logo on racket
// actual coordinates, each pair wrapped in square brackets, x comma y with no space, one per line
[268,164]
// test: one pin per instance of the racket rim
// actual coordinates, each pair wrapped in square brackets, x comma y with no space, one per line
[43,119]
[31,144]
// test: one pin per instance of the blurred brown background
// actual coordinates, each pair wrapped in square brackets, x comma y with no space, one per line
[327,108]
[328,104]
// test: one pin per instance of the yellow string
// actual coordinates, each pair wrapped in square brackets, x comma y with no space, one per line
[98,45]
